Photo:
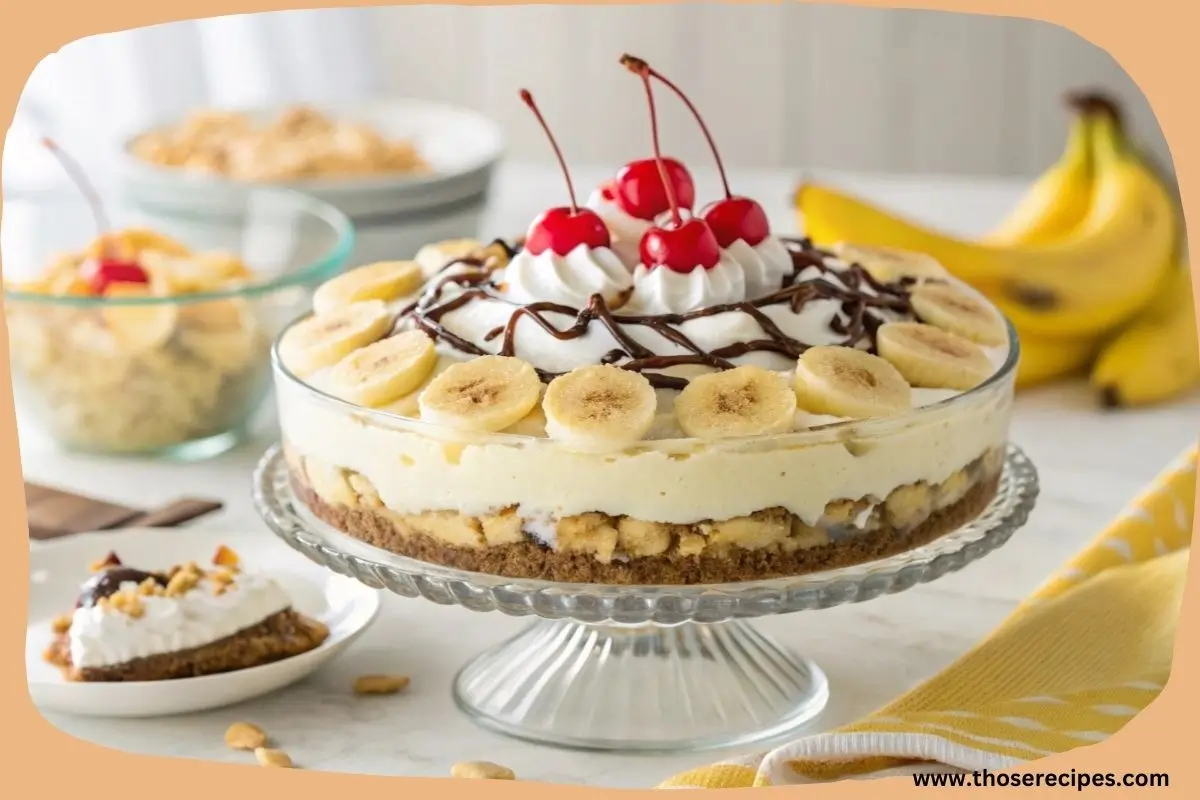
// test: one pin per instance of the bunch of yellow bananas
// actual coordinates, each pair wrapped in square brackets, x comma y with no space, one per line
[1087,266]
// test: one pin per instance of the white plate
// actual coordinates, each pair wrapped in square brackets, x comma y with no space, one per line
[461,145]
[56,570]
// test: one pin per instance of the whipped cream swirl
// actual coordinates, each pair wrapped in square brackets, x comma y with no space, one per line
[660,290]
[765,265]
[568,280]
[625,229]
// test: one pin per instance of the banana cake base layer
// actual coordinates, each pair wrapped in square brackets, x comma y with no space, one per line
[279,636]
[728,564]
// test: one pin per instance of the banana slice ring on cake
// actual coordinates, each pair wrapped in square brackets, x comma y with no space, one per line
[385,370]
[932,358]
[745,401]
[599,407]
[385,280]
[323,340]
[845,382]
[956,311]
[485,394]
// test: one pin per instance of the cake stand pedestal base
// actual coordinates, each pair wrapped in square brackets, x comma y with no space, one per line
[641,668]
[598,687]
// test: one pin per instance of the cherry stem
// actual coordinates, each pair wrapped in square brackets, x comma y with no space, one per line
[527,98]
[639,65]
[658,159]
[79,178]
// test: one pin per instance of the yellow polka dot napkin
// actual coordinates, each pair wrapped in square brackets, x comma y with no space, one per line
[1074,662]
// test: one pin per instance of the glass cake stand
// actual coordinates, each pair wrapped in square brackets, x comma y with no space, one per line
[641,668]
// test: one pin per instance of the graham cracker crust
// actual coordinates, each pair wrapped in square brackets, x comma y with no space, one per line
[533,560]
[279,636]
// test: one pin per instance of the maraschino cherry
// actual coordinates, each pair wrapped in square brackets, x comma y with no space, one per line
[109,268]
[560,230]
[679,245]
[734,217]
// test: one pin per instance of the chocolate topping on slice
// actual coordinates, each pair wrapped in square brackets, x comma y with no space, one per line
[108,582]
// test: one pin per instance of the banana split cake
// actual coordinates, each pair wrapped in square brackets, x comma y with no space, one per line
[131,624]
[636,393]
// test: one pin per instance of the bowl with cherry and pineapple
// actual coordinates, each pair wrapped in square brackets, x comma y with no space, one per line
[148,333]
[638,393]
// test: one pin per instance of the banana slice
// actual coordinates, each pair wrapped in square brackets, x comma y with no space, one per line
[845,382]
[485,394]
[386,280]
[599,408]
[325,339]
[888,265]
[932,358]
[956,311]
[385,370]
[138,328]
[433,258]
[745,401]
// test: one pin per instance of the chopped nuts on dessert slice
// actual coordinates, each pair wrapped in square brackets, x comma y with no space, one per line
[270,757]
[482,770]
[107,562]
[61,623]
[245,736]
[380,684]
[225,557]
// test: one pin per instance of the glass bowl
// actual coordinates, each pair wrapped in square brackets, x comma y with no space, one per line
[179,376]
[525,506]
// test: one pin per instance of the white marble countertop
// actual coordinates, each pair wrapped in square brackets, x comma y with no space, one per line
[1091,463]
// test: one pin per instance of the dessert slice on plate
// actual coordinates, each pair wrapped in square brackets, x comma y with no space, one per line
[131,624]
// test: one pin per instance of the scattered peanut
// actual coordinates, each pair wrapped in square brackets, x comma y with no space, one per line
[482,769]
[61,623]
[272,758]
[244,736]
[380,684]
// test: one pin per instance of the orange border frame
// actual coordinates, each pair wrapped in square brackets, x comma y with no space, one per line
[1153,41]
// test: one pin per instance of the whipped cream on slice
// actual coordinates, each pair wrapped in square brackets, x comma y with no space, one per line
[103,637]
[568,280]
[625,229]
[660,290]
[765,265]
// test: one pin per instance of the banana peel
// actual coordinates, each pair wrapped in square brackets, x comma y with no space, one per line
[1059,200]
[1042,361]
[1157,356]
[1084,284]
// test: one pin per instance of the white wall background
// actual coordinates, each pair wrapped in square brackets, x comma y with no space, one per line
[787,85]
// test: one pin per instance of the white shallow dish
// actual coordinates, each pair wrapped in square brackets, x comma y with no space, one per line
[58,568]
[462,146]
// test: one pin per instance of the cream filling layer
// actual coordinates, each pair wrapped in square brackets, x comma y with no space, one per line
[414,469]
[102,637]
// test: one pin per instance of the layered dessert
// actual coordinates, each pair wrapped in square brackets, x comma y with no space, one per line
[717,404]
[131,624]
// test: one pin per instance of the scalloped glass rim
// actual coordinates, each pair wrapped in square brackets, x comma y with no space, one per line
[862,428]
[321,269]
[670,604]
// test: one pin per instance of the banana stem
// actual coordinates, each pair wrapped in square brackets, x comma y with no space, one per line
[1108,141]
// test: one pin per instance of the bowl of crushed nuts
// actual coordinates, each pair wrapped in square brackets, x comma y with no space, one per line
[405,171]
[142,333]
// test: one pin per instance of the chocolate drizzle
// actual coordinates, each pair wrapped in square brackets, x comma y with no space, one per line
[108,582]
[857,324]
